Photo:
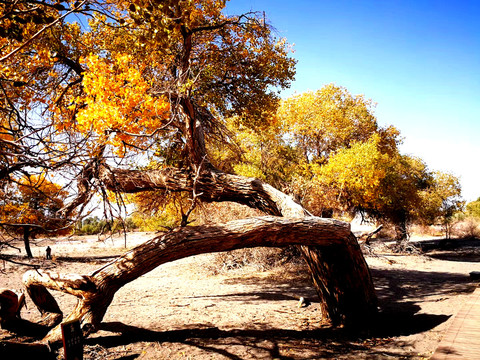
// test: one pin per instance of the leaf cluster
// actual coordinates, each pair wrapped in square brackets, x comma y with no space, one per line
[473,208]
[326,148]
[33,202]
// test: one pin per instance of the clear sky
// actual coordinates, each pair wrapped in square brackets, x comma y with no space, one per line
[419,60]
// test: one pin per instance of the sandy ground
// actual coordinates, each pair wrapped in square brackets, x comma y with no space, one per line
[184,310]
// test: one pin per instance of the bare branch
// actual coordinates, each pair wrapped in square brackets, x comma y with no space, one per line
[195,196]
[42,30]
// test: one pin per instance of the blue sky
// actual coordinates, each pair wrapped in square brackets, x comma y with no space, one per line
[419,60]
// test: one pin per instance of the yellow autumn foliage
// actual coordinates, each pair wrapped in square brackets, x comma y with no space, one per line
[34,201]
[325,120]
[356,173]
[118,107]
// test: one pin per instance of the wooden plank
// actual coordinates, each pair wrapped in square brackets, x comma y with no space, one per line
[462,339]
[72,340]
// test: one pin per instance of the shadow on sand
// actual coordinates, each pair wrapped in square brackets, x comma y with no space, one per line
[398,316]
[465,250]
[399,292]
[323,342]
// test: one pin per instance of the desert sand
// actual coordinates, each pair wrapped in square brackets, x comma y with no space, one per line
[191,309]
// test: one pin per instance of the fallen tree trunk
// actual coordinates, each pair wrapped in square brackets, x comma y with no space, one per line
[339,271]
[95,291]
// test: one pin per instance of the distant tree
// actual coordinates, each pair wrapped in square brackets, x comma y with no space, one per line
[473,208]
[441,201]
[407,177]
[322,122]
[327,148]
[91,225]
[31,208]
[366,178]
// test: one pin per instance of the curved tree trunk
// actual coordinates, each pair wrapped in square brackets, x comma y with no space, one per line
[338,268]
[95,291]
[339,271]
[343,282]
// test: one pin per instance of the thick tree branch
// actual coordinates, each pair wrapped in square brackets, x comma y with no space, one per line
[214,185]
[96,290]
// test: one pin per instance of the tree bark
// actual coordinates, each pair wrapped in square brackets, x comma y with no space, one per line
[339,271]
[26,241]
[343,282]
[95,291]
[10,305]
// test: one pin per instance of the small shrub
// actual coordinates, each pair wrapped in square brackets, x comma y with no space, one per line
[469,228]
[260,258]
[91,226]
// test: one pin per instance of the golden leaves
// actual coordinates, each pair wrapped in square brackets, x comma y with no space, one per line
[117,104]
[356,172]
[34,200]
[326,120]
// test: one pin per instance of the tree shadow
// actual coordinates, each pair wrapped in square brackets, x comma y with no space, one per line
[395,286]
[399,291]
[19,340]
[25,328]
[465,250]
[25,350]
[68,259]
[87,259]
[265,342]
[279,293]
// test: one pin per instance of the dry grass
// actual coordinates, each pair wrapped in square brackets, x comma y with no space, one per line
[260,258]
[468,229]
